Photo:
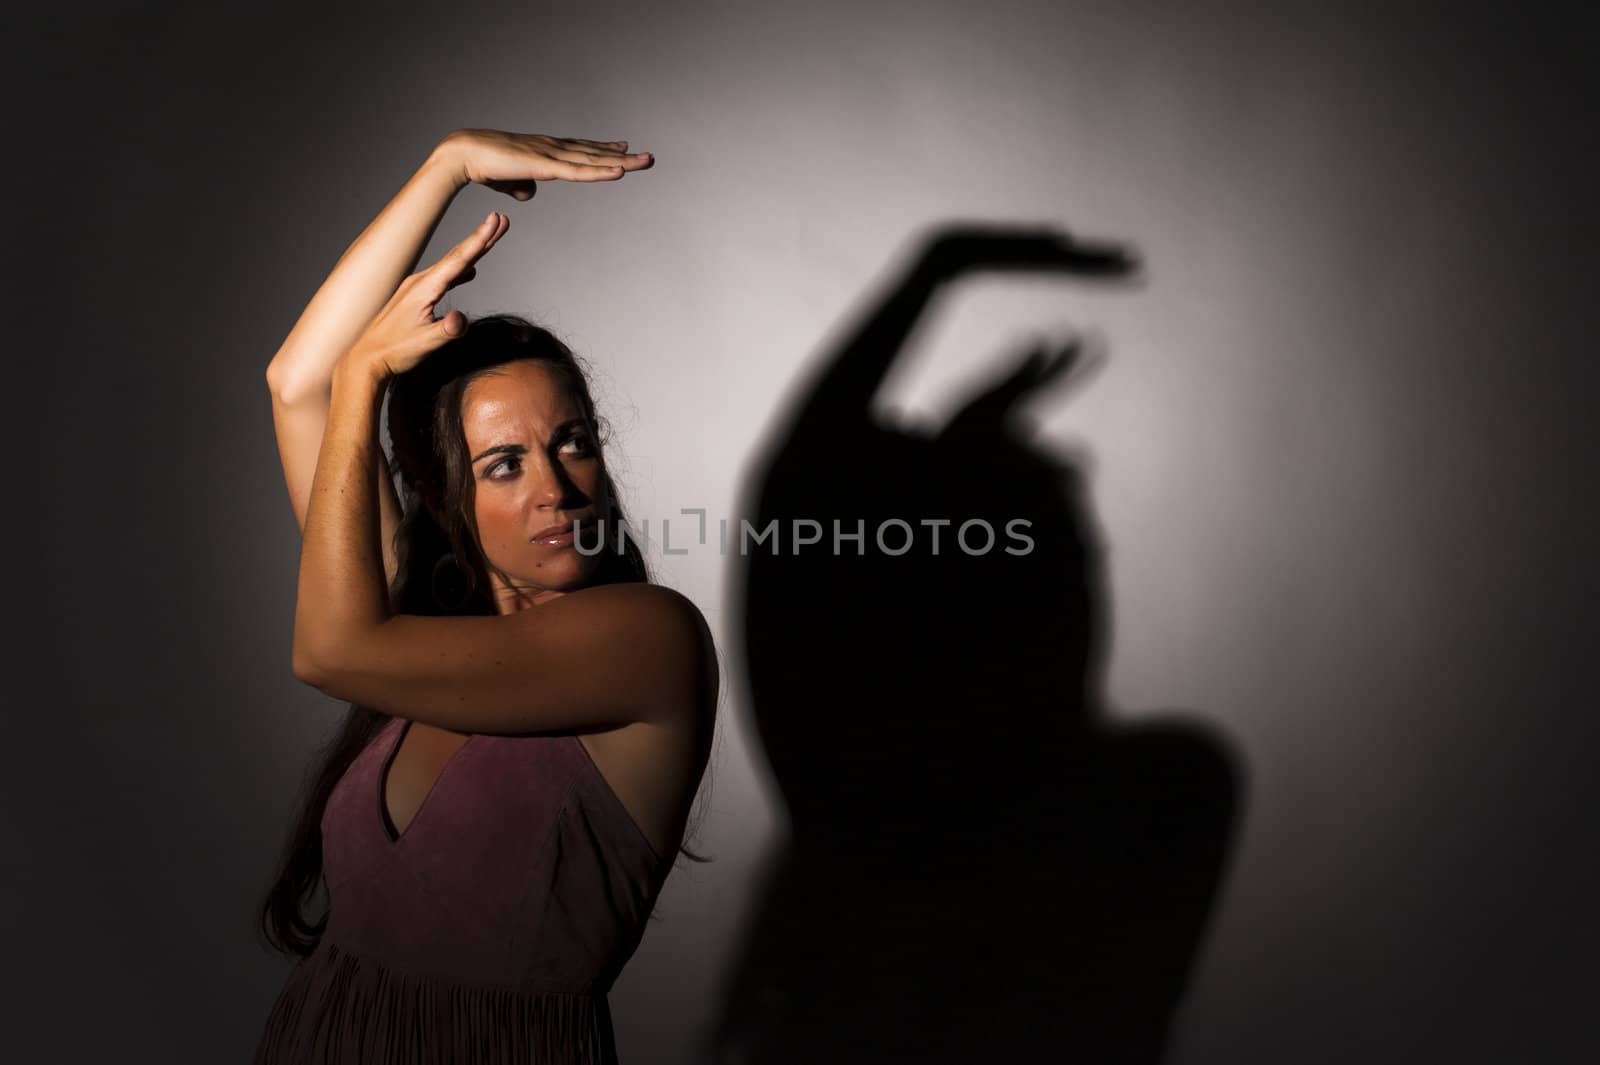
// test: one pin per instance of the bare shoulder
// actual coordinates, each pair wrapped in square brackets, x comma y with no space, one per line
[664,627]
[692,636]
[636,598]
[654,764]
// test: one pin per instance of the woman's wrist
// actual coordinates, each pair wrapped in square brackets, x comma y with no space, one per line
[360,371]
[448,161]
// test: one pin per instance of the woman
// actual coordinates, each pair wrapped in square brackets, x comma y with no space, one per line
[529,721]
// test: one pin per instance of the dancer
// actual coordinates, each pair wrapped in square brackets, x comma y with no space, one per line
[531,717]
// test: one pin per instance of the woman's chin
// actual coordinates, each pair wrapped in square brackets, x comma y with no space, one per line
[567,573]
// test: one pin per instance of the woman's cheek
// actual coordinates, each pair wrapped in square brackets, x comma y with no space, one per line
[497,525]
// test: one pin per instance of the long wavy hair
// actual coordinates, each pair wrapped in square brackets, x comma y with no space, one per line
[441,569]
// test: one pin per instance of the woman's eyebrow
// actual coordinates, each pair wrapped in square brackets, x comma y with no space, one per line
[517,449]
[510,449]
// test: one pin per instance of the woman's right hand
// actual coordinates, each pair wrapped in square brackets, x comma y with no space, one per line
[512,162]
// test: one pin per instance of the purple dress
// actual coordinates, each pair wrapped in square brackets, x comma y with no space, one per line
[490,930]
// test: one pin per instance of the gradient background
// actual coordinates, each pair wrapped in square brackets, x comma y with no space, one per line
[1340,449]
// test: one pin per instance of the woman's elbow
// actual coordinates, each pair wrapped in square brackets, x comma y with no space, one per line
[275,379]
[289,388]
[307,668]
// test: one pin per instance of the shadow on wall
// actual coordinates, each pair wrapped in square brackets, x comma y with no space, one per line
[980,867]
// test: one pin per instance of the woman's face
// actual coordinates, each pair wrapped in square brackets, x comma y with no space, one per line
[534,467]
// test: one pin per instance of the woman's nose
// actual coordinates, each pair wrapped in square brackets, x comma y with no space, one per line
[548,485]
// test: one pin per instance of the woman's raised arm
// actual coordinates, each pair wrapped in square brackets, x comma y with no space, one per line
[368,273]
[363,279]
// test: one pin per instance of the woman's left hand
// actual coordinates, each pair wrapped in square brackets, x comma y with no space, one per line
[404,331]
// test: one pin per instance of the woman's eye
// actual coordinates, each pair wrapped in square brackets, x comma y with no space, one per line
[501,465]
[578,444]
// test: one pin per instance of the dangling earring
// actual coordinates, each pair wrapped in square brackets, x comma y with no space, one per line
[457,583]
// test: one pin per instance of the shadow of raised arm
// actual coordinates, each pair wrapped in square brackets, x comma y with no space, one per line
[848,378]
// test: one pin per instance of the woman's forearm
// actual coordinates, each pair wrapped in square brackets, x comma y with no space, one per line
[364,278]
[342,591]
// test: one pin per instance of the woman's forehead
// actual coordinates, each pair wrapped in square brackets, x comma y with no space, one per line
[518,397]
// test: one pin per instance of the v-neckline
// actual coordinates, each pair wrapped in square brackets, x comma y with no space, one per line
[385,823]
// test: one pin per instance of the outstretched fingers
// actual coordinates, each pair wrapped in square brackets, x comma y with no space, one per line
[596,160]
[575,167]
[457,266]
[635,161]
[606,146]
[611,151]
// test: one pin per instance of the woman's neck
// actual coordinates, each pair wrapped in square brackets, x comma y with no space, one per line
[510,600]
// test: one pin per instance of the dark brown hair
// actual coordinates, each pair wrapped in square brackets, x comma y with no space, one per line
[441,569]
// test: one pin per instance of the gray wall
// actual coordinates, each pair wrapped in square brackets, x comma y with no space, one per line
[1339,448]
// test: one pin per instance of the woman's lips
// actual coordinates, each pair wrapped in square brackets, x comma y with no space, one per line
[555,536]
